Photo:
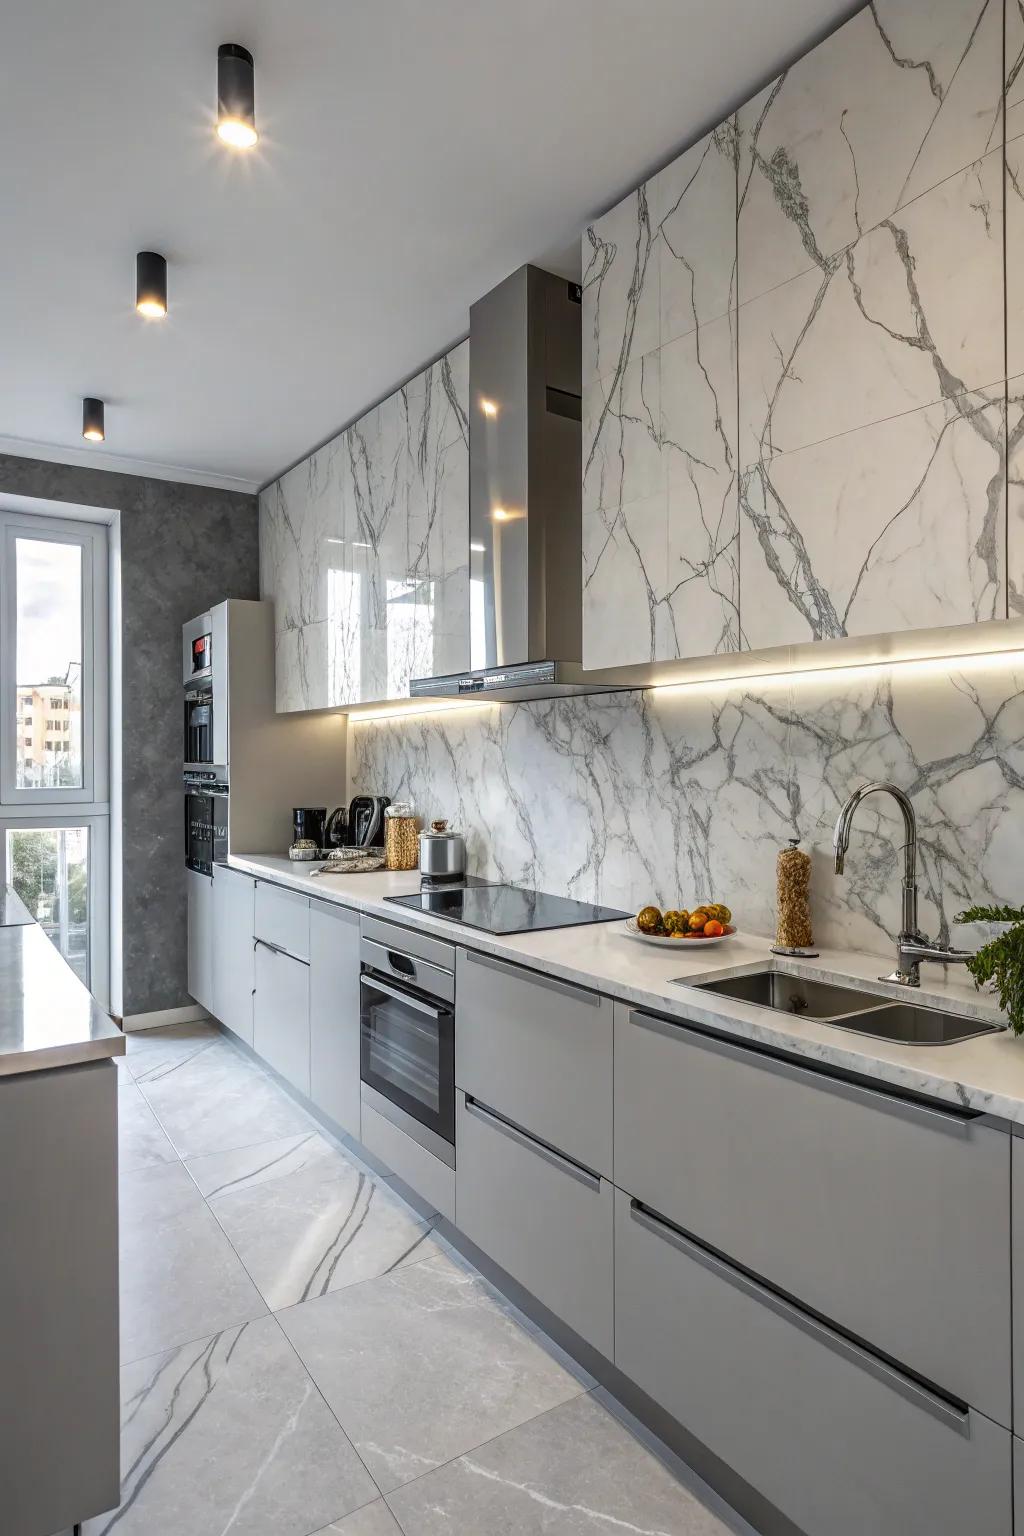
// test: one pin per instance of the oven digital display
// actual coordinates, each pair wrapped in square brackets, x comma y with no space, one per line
[201,653]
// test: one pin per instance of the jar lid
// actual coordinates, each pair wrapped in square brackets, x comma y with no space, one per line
[399,808]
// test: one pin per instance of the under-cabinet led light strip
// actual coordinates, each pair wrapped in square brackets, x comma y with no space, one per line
[853,671]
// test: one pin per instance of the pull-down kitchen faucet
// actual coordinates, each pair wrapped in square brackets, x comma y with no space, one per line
[911,945]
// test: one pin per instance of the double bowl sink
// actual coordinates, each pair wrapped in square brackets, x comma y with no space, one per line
[847,1008]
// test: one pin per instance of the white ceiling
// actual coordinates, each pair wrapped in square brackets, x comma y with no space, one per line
[413,153]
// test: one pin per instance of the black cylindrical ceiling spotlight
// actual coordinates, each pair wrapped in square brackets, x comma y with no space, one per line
[151,284]
[92,420]
[236,96]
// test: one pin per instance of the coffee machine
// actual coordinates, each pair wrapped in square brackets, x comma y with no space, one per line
[308,826]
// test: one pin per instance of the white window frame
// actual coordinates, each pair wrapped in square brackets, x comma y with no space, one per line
[87,805]
[91,538]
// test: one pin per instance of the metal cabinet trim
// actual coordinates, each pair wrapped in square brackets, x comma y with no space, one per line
[534,1144]
[525,973]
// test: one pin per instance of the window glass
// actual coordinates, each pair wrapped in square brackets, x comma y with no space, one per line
[49,869]
[48,658]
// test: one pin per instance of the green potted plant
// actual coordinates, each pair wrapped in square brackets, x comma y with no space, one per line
[1000,962]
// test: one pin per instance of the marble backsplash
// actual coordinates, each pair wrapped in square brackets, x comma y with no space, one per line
[675,795]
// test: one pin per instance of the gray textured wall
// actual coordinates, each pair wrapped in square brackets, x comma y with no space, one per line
[183,547]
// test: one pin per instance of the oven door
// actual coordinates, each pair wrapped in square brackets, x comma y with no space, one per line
[200,813]
[407,1055]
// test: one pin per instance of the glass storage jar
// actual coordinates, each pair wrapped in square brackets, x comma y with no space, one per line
[401,836]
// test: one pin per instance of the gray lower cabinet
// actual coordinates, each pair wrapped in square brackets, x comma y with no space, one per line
[233,969]
[888,1217]
[838,1441]
[334,1013]
[200,938]
[539,1050]
[59,1395]
[1018,1486]
[1017,1251]
[281,1014]
[281,917]
[542,1217]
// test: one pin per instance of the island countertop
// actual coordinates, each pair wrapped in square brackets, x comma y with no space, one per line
[47,1017]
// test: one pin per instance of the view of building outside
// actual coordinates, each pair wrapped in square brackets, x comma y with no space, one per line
[49,732]
[49,869]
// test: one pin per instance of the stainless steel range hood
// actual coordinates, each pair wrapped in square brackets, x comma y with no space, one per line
[525,498]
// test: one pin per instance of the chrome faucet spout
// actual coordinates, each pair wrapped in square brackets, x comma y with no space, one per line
[911,945]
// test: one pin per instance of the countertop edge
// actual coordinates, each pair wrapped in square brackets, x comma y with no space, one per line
[952,1074]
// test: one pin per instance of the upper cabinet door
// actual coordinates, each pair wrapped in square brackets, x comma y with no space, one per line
[364,548]
[872,440]
[660,556]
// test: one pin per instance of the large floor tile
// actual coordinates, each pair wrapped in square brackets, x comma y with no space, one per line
[180,1277]
[230,1434]
[217,1101]
[373,1520]
[140,1140]
[571,1471]
[153,1052]
[320,1230]
[422,1366]
[218,1173]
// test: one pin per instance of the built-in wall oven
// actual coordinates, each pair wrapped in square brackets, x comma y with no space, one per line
[407,1033]
[206,824]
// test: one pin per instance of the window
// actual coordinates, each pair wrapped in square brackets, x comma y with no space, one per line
[54,681]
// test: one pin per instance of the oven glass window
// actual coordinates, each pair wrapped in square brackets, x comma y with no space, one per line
[408,1054]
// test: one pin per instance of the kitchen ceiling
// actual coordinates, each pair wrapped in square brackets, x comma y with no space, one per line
[411,155]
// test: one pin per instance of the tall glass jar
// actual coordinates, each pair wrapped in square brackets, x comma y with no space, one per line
[401,836]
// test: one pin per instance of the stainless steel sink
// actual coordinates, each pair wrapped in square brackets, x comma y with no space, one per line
[908,1025]
[847,1008]
[792,994]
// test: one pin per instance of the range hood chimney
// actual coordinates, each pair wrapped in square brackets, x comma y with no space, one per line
[525,495]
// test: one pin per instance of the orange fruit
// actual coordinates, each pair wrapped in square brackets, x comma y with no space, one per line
[713,929]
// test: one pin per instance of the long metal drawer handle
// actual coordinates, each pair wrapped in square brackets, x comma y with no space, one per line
[523,973]
[533,1144]
[877,1098]
[275,949]
[368,979]
[946,1412]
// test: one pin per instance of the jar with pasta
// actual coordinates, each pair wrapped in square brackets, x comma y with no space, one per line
[401,836]
[793,899]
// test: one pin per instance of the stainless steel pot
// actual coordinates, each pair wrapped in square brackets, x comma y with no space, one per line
[442,853]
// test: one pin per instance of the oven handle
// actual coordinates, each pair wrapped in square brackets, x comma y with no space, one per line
[371,980]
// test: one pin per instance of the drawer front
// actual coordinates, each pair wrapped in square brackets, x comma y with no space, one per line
[540,1052]
[233,972]
[827,1433]
[282,918]
[334,1013]
[887,1217]
[1018,1487]
[431,1179]
[281,1015]
[544,1220]
[1017,1250]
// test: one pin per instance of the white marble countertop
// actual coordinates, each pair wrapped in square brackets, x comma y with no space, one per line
[47,1018]
[986,1073]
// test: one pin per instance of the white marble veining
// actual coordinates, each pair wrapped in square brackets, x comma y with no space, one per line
[47,1018]
[364,548]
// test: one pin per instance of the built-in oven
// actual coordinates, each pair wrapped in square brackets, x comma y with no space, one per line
[407,1033]
[206,825]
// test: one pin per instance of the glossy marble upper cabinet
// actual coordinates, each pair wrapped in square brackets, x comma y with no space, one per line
[794,421]
[364,548]
[660,555]
[870,254]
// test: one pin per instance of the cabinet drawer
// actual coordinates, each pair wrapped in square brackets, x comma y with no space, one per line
[838,1441]
[281,1015]
[334,1013]
[282,918]
[886,1216]
[1017,1252]
[546,1221]
[539,1051]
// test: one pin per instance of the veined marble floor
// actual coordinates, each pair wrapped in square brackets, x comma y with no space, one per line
[300,1354]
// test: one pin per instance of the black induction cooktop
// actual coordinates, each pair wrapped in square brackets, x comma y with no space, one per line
[505,908]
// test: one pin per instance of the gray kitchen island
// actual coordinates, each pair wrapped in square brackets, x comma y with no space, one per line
[59,1396]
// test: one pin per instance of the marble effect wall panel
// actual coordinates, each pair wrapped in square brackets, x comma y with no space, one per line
[794,354]
[364,548]
[688,794]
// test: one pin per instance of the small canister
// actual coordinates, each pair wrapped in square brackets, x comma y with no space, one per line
[442,853]
[401,836]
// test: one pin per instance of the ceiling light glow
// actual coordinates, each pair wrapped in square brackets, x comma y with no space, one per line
[489,408]
[151,285]
[236,96]
[93,429]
